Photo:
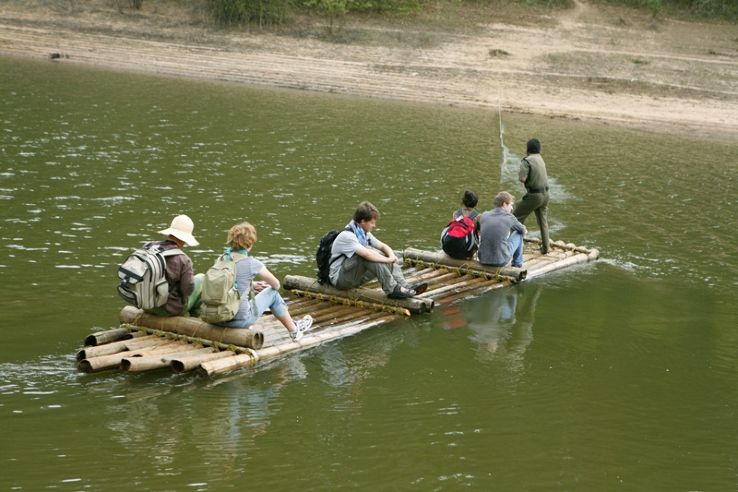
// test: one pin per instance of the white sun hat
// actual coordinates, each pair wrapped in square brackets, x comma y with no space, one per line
[181,228]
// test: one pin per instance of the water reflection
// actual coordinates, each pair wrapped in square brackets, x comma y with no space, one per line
[500,323]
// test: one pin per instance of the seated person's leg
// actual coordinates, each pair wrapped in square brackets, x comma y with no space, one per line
[515,241]
[352,273]
[193,302]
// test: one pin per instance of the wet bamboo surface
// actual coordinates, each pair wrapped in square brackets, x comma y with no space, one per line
[140,345]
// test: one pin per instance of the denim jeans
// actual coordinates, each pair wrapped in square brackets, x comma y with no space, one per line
[515,242]
[266,299]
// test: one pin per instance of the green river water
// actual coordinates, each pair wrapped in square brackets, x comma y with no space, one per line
[617,375]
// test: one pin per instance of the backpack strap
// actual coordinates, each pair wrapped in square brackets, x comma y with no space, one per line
[172,252]
[234,256]
[347,228]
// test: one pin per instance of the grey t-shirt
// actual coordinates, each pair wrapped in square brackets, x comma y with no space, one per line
[495,227]
[246,270]
[345,246]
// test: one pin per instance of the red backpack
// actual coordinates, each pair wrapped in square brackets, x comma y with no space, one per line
[460,227]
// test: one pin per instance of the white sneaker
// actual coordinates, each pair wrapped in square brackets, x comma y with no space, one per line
[301,327]
[305,324]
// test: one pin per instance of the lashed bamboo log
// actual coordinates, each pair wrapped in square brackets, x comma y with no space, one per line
[353,302]
[226,364]
[458,287]
[303,305]
[193,327]
[212,368]
[107,336]
[440,258]
[474,291]
[572,260]
[157,361]
[113,347]
[414,305]
[344,317]
[112,361]
[190,362]
[185,338]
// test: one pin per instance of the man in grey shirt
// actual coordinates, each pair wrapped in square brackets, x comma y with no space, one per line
[501,234]
[358,257]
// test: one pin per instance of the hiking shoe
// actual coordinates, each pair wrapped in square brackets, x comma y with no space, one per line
[419,288]
[305,324]
[401,293]
[301,327]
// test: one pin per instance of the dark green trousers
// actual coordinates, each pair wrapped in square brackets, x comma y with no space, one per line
[538,203]
[356,271]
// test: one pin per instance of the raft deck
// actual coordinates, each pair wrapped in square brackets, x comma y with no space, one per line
[145,342]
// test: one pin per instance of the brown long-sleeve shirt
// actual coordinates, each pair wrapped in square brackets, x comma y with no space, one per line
[180,278]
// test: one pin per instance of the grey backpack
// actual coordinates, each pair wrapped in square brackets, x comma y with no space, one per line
[142,277]
[220,297]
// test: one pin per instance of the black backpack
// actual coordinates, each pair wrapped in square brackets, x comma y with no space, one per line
[323,255]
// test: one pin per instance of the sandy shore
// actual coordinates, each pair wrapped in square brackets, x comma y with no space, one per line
[591,63]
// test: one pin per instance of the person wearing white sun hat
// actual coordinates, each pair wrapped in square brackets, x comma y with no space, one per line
[184,285]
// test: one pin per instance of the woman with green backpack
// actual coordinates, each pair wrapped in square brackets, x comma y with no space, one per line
[241,238]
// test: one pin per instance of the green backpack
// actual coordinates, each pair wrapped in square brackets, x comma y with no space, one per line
[220,297]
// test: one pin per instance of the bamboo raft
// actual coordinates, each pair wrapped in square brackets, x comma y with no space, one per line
[144,342]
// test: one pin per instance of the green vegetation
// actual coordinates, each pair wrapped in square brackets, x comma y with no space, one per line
[260,12]
[725,9]
[265,13]
[270,12]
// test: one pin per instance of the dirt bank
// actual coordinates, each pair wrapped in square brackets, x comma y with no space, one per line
[590,62]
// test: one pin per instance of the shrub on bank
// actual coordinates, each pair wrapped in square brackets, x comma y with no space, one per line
[260,12]
[724,9]
[275,12]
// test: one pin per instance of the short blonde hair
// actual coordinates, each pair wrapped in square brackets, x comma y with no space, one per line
[503,198]
[241,236]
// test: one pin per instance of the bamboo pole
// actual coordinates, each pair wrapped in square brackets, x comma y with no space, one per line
[202,341]
[414,305]
[190,362]
[111,348]
[572,260]
[476,290]
[225,364]
[435,293]
[193,327]
[141,363]
[361,304]
[459,287]
[107,336]
[413,255]
[304,307]
[112,361]
[344,316]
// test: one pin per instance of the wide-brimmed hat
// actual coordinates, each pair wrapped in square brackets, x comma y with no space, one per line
[181,228]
